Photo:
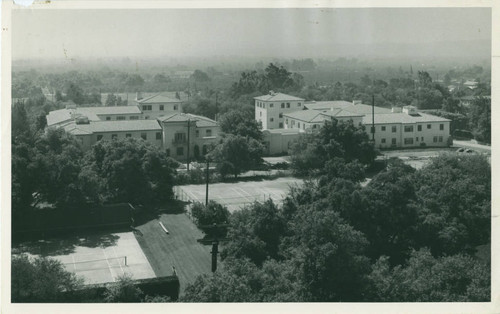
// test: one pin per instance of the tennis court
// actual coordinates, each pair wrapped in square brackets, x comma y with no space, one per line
[236,195]
[97,262]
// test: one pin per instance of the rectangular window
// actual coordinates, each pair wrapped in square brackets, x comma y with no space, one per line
[429,126]
[260,113]
[394,129]
[408,128]
[180,137]
[108,118]
[271,105]
[303,126]
[272,119]
[435,139]
[128,135]
[286,121]
[281,125]
[134,118]
[114,136]
[298,125]
[162,107]
[300,104]
[408,140]
[144,136]
[422,139]
[158,135]
[382,141]
[99,137]
[180,151]
[441,127]
[209,132]
[282,105]
[147,107]
[393,141]
[197,133]
[121,118]
[288,105]
[281,115]
[440,139]
[315,126]
[382,128]
[416,139]
[175,107]
[419,128]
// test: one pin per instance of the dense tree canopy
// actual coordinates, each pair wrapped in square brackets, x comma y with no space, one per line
[236,154]
[241,123]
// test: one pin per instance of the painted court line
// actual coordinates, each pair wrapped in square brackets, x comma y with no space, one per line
[116,256]
[109,266]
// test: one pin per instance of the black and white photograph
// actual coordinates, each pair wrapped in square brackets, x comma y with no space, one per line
[280,154]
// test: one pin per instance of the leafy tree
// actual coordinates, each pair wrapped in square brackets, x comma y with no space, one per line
[40,280]
[255,232]
[75,94]
[214,213]
[111,100]
[335,139]
[456,278]
[129,170]
[240,123]
[134,81]
[424,79]
[480,119]
[236,154]
[20,123]
[200,76]
[328,254]
[123,291]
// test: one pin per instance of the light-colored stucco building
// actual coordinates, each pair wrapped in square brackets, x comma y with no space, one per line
[396,127]
[269,109]
[161,123]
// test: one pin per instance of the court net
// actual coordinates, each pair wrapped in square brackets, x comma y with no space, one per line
[104,263]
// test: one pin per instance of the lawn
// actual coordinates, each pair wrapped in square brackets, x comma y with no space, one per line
[178,248]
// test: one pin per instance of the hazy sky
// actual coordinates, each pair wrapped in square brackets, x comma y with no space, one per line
[237,32]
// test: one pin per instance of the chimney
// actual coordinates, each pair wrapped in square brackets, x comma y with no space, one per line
[138,96]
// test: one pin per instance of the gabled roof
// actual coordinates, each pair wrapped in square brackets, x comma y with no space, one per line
[58,116]
[277,97]
[114,126]
[158,99]
[184,117]
[392,118]
[312,116]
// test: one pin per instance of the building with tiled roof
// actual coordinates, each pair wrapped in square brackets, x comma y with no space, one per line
[158,105]
[269,109]
[396,127]
[181,135]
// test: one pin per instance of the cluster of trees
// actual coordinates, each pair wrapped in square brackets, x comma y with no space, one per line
[50,167]
[409,235]
[45,280]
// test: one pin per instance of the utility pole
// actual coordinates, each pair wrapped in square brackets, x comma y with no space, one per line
[215,251]
[216,106]
[189,131]
[373,118]
[206,192]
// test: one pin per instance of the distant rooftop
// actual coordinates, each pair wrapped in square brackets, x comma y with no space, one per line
[92,113]
[113,126]
[158,99]
[388,118]
[312,116]
[277,97]
[184,117]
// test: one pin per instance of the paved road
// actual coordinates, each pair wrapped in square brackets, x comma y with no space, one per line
[472,145]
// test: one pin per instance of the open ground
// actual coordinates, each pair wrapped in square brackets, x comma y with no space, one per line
[234,195]
[177,249]
[97,258]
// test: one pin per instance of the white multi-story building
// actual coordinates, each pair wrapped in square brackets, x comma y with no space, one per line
[270,109]
[158,105]
[396,127]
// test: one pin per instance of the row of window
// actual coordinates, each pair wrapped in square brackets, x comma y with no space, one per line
[409,140]
[409,128]
[150,107]
[271,105]
[179,151]
[118,118]
[181,137]
[144,136]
